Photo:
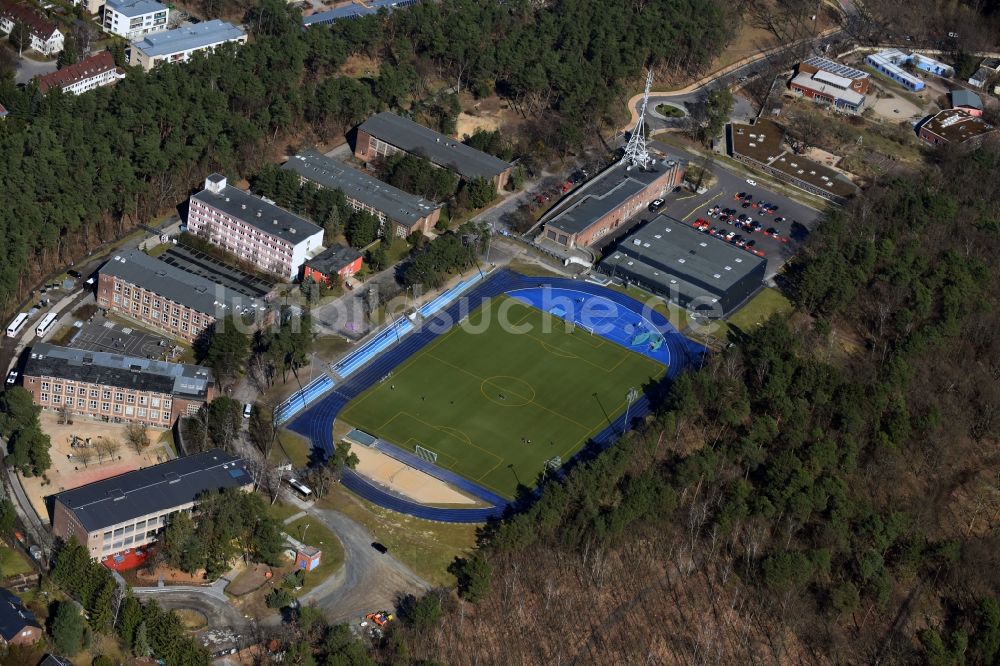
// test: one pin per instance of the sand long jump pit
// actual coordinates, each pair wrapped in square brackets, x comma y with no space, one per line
[405,480]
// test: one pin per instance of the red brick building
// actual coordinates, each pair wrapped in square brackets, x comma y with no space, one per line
[386,134]
[165,298]
[336,260]
[115,388]
[609,200]
[955,126]
[405,213]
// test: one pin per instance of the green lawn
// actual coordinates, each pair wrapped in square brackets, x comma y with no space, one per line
[12,562]
[319,536]
[479,393]
[669,110]
[425,546]
[759,309]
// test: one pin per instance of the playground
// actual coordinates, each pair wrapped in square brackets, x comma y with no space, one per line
[75,466]
[516,388]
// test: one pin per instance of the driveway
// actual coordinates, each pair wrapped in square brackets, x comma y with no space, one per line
[216,608]
[368,581]
[28,69]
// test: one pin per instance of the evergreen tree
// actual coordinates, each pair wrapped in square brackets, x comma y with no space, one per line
[68,628]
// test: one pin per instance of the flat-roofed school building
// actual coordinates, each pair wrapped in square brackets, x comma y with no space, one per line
[690,268]
[761,145]
[406,212]
[254,230]
[113,387]
[168,299]
[386,134]
[955,126]
[132,509]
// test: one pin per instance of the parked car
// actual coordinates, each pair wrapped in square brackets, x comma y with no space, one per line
[11,377]
[779,219]
[751,182]
[74,274]
[656,205]
[247,409]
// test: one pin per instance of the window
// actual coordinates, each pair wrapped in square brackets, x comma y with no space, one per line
[154,414]
[107,535]
[130,399]
[106,394]
[120,531]
[143,400]
[105,406]
[129,411]
[70,390]
[93,404]
[57,388]
[145,310]
[93,393]
[129,528]
[118,409]
[142,412]
[45,386]
[119,396]
[154,402]
[45,397]
[80,402]
[56,399]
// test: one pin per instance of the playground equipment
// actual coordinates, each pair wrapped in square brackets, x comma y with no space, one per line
[380,618]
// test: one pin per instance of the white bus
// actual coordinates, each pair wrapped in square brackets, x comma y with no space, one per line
[14,327]
[45,325]
[302,489]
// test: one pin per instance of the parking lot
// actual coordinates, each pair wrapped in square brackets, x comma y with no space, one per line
[791,220]
[107,336]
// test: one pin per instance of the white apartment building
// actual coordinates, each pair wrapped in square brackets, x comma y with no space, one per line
[178,44]
[134,19]
[45,37]
[89,73]
[253,229]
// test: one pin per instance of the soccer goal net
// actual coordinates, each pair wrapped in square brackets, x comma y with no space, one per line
[426,454]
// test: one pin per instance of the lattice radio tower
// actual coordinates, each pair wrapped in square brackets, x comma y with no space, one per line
[636,154]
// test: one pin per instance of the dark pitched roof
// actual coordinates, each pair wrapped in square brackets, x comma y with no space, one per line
[193,291]
[397,205]
[85,69]
[962,97]
[53,660]
[257,212]
[332,259]
[606,193]
[153,489]
[178,379]
[436,147]
[14,617]
[38,25]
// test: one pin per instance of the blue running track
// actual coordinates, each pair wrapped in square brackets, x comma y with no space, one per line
[620,314]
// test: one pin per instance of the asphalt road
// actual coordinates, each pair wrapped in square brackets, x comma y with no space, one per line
[728,184]
[28,69]
[368,581]
[217,609]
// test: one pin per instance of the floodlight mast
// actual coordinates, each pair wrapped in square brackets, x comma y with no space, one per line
[636,154]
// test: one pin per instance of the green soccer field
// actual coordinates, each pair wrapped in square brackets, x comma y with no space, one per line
[478,398]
